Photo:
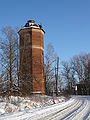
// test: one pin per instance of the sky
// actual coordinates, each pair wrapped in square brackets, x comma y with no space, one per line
[66,22]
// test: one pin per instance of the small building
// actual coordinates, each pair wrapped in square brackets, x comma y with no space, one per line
[82,89]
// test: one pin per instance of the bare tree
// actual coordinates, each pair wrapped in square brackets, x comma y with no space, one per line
[66,74]
[50,63]
[77,67]
[8,54]
[85,59]
[80,66]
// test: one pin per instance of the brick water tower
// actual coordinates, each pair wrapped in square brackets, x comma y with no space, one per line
[31,58]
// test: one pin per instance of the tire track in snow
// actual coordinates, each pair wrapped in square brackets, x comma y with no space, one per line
[52,114]
[63,113]
[73,114]
[52,111]
[82,112]
[76,111]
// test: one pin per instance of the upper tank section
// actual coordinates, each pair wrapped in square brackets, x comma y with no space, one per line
[31,24]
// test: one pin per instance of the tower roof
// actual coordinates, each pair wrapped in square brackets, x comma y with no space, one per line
[32,24]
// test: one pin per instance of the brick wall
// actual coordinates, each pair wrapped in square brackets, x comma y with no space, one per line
[32,61]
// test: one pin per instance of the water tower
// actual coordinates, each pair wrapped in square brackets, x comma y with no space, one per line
[31,58]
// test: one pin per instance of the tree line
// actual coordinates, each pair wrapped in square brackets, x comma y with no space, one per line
[73,73]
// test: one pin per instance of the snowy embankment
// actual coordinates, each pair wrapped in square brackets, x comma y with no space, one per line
[17,104]
[43,108]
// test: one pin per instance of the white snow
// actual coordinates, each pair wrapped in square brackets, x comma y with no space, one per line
[13,104]
[43,107]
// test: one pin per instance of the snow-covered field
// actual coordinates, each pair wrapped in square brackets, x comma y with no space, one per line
[43,108]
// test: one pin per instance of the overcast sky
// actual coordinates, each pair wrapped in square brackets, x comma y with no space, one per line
[66,22]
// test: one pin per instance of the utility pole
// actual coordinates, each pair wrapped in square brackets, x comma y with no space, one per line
[17,63]
[56,75]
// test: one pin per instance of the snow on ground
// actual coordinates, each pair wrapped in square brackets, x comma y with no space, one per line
[14,104]
[45,108]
